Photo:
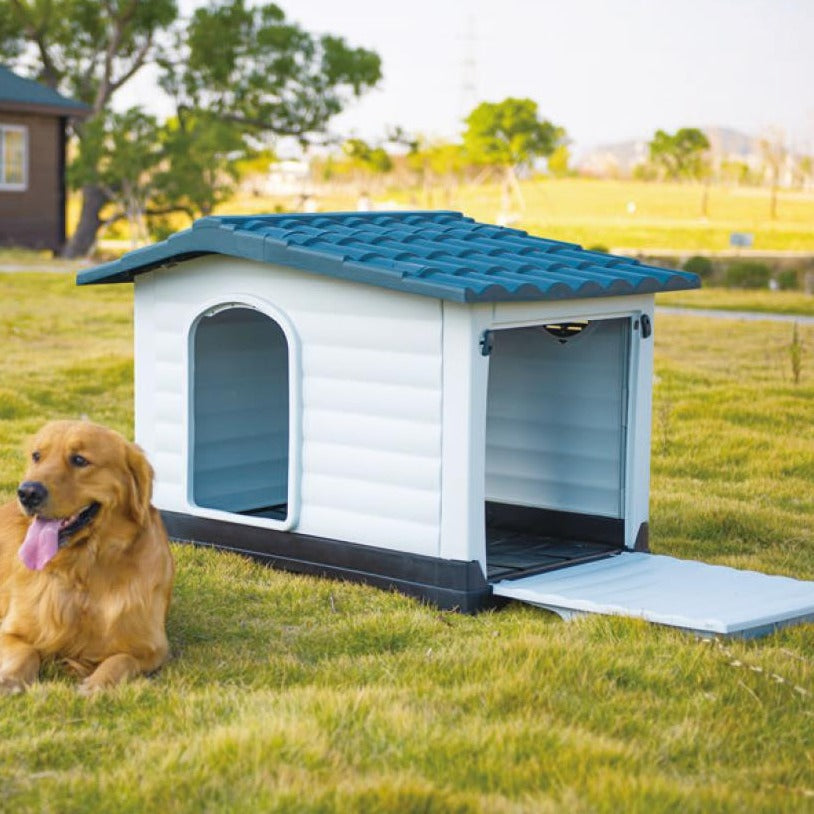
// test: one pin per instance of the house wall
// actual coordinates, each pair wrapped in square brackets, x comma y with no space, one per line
[34,217]
[366,395]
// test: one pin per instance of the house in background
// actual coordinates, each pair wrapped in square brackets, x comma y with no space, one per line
[33,124]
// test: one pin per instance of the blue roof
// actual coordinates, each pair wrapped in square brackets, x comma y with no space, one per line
[16,91]
[437,254]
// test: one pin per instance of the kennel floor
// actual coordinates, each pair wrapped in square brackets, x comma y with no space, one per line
[516,554]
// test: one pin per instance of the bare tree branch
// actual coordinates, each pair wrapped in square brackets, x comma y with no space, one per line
[279,129]
[115,218]
[138,61]
[108,85]
[49,74]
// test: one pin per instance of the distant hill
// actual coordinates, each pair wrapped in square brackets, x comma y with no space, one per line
[621,156]
[729,142]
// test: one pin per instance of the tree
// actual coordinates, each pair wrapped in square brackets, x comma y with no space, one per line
[118,152]
[681,154]
[250,66]
[367,158]
[245,67]
[773,150]
[201,156]
[804,170]
[437,163]
[507,135]
[558,162]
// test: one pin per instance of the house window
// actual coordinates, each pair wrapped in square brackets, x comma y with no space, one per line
[13,157]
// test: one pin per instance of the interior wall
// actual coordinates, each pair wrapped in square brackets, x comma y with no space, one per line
[555,434]
[240,397]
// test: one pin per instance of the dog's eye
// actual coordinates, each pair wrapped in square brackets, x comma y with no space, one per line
[79,461]
[35,456]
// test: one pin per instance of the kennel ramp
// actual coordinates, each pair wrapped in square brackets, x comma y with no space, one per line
[693,596]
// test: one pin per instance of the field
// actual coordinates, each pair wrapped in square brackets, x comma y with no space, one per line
[736,299]
[293,694]
[667,216]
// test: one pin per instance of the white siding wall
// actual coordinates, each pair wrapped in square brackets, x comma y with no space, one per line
[369,373]
[369,443]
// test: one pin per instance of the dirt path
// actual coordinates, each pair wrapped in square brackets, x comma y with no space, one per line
[717,313]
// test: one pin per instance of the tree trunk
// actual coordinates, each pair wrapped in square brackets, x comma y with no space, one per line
[83,239]
[514,185]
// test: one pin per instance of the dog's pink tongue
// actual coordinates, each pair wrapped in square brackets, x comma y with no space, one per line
[41,543]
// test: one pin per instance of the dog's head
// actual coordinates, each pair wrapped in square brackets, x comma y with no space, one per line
[80,476]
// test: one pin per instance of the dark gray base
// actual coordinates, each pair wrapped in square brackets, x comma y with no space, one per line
[449,584]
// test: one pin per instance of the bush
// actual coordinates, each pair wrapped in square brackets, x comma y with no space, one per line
[747,275]
[702,266]
[598,247]
[787,280]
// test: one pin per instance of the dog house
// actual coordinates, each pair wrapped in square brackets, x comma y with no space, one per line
[420,401]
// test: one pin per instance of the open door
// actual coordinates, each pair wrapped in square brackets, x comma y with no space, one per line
[693,596]
[556,445]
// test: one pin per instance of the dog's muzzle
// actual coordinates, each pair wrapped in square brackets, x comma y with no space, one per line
[31,494]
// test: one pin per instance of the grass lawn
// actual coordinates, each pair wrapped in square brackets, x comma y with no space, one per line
[588,212]
[294,694]
[666,216]
[737,299]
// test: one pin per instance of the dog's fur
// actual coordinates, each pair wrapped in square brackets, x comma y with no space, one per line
[101,603]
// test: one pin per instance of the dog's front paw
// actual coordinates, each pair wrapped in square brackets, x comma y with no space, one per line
[9,685]
[87,687]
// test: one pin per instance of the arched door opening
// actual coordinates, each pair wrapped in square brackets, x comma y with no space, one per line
[240,413]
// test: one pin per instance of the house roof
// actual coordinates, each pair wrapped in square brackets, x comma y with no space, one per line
[437,254]
[18,93]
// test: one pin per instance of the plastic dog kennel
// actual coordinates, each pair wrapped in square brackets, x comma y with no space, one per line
[417,400]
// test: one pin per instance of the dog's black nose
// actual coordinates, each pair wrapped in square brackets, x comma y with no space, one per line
[32,494]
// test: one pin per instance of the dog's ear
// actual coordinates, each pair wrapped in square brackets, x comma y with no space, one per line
[141,491]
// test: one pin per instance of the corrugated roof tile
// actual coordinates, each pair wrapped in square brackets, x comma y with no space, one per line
[437,254]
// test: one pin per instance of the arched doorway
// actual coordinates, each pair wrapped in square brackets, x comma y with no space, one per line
[240,384]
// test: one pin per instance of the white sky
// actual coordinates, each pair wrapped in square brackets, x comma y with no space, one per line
[606,71]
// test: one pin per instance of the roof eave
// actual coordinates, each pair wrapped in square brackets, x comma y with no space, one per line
[117,272]
[70,111]
[414,275]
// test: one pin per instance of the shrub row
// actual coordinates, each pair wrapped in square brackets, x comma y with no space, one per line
[744,274]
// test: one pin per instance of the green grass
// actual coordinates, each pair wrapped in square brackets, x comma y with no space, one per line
[589,212]
[734,299]
[295,694]
[667,216]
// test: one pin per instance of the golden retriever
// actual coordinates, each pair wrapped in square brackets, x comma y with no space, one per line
[85,568]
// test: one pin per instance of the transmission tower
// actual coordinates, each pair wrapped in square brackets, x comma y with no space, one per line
[469,69]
